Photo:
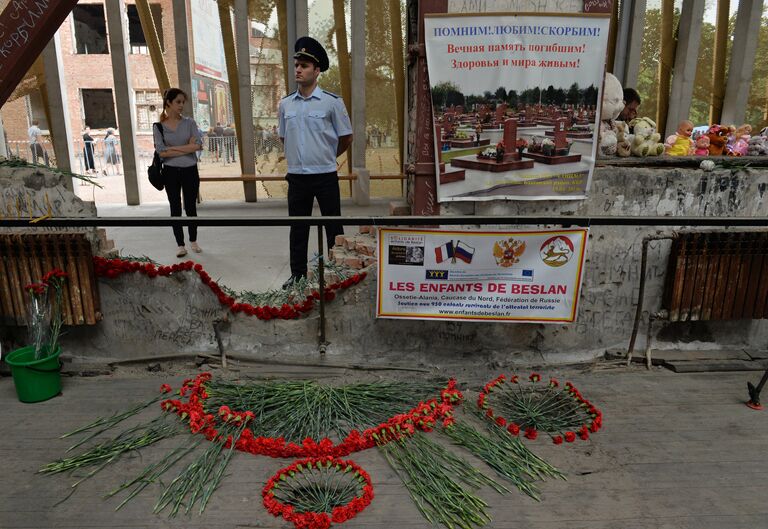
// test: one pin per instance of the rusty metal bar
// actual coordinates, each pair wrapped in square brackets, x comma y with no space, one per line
[321,287]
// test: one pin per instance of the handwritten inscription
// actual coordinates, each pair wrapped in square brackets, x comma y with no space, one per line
[25,15]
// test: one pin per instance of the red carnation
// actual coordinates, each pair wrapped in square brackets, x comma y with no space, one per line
[513,428]
[570,437]
[535,377]
[165,388]
[558,440]
[531,433]
[501,421]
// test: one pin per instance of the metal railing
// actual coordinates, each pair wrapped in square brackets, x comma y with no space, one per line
[320,222]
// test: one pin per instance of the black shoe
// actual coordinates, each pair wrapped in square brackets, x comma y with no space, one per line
[291,281]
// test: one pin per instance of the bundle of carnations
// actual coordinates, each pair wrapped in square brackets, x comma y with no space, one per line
[36,367]
[532,407]
[285,429]
[292,307]
[312,493]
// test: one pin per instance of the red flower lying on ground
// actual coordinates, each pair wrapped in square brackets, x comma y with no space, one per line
[423,417]
[114,268]
[531,433]
[317,520]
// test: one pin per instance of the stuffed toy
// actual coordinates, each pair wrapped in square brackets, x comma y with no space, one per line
[758,146]
[702,146]
[680,143]
[718,137]
[623,139]
[612,105]
[646,140]
[738,141]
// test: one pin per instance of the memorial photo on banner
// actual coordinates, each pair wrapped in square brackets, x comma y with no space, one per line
[515,101]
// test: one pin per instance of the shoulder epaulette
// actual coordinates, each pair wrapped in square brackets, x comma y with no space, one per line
[289,95]
[331,94]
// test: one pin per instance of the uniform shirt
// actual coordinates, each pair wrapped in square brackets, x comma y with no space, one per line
[175,138]
[310,128]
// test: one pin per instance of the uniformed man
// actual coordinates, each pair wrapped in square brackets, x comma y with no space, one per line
[314,127]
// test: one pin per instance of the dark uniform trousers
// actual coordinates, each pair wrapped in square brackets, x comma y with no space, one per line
[303,189]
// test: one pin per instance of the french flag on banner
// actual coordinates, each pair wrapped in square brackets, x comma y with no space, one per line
[444,252]
[464,252]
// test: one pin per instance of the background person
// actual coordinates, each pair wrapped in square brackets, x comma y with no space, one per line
[177,145]
[111,158]
[631,103]
[90,166]
[315,129]
[36,142]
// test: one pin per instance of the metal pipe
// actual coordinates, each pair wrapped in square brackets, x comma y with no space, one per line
[403,220]
[641,291]
[321,287]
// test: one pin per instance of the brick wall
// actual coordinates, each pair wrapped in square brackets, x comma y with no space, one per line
[95,71]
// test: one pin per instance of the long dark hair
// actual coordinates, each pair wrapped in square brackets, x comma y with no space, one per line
[168,97]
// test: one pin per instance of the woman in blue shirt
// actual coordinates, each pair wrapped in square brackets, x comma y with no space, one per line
[177,145]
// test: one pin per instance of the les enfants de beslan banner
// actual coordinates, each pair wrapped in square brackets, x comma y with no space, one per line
[515,101]
[523,276]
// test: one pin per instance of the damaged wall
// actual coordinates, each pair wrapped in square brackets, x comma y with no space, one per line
[181,313]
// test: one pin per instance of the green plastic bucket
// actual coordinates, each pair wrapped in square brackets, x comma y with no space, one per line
[35,380]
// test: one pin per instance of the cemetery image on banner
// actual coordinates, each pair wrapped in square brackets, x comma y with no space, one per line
[515,103]
[523,276]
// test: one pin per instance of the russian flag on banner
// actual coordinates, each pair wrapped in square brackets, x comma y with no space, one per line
[464,252]
[444,252]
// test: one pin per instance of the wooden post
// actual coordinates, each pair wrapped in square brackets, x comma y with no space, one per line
[718,66]
[686,55]
[245,130]
[183,58]
[666,58]
[344,66]
[282,25]
[398,65]
[229,55]
[126,112]
[153,43]
[24,41]
[613,30]
[361,187]
[57,108]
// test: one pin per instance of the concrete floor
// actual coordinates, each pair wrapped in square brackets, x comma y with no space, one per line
[678,451]
[244,258]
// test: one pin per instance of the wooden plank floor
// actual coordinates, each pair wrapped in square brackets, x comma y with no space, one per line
[677,451]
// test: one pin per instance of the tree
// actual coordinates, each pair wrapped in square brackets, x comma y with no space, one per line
[501,94]
[574,95]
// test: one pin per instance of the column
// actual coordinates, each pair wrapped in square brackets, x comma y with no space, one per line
[743,51]
[361,189]
[183,59]
[117,24]
[245,133]
[58,110]
[634,43]
[686,57]
[290,15]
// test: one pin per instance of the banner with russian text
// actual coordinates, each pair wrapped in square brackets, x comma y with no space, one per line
[516,103]
[511,276]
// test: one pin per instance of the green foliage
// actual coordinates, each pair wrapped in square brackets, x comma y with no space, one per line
[647,84]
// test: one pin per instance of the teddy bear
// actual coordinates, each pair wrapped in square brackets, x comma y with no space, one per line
[738,141]
[718,138]
[646,140]
[623,139]
[612,105]
[680,143]
[758,146]
[702,146]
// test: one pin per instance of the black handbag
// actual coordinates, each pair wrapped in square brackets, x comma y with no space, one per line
[155,171]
